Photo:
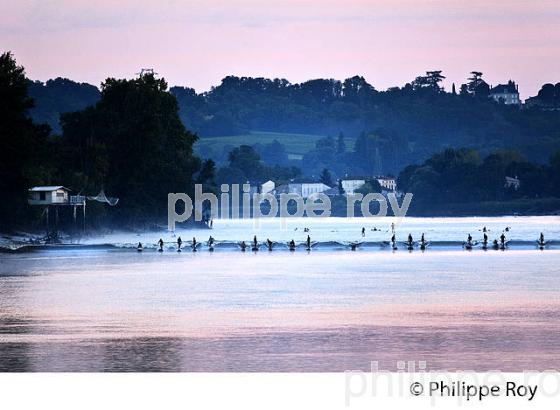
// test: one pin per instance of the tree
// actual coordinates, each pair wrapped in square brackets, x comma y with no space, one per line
[477,85]
[207,173]
[357,89]
[326,177]
[131,143]
[433,78]
[430,81]
[274,153]
[326,142]
[474,81]
[23,159]
[554,174]
[247,160]
[59,96]
[370,187]
[340,144]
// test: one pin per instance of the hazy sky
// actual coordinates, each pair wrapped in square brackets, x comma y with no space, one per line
[198,42]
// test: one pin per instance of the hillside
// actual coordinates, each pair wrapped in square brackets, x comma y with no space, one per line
[296,145]
[397,127]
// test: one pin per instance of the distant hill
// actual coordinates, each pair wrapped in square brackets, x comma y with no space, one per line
[406,125]
[59,96]
[296,145]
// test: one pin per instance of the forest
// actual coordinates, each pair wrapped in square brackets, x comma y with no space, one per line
[136,139]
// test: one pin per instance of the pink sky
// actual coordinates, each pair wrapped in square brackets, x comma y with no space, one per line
[197,42]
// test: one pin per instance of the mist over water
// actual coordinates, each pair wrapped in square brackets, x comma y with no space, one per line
[450,231]
[326,310]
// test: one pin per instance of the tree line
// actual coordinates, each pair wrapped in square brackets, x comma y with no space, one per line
[130,143]
[463,176]
[129,138]
[415,120]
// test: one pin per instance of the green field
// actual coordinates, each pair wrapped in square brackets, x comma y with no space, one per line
[296,144]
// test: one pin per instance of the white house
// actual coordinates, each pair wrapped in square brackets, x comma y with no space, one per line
[507,94]
[350,185]
[267,187]
[303,189]
[48,195]
[389,183]
[256,187]
[512,182]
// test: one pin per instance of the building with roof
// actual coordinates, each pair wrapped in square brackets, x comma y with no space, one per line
[49,195]
[304,189]
[351,184]
[512,182]
[259,187]
[507,94]
[388,183]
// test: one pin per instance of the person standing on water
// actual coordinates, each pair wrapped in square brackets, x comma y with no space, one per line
[255,243]
[502,239]
[308,242]
[541,239]
[160,243]
[194,243]
[179,243]
[363,231]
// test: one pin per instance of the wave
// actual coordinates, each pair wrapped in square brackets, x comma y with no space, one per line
[236,245]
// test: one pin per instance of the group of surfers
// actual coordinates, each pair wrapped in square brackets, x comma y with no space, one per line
[423,244]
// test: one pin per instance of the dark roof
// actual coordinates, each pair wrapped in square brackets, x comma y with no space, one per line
[509,88]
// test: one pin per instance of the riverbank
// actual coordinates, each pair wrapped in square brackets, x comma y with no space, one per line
[526,207]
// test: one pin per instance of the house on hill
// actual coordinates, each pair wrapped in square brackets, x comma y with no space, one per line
[351,184]
[304,189]
[507,94]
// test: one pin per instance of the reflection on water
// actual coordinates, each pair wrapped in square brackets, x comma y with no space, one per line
[325,311]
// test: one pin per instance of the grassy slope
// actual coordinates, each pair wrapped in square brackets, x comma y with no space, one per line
[297,144]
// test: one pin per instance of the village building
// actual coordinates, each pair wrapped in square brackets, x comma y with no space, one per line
[258,187]
[304,189]
[49,195]
[388,183]
[512,182]
[351,184]
[268,187]
[507,94]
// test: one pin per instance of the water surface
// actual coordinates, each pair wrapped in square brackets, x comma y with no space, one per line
[328,310]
